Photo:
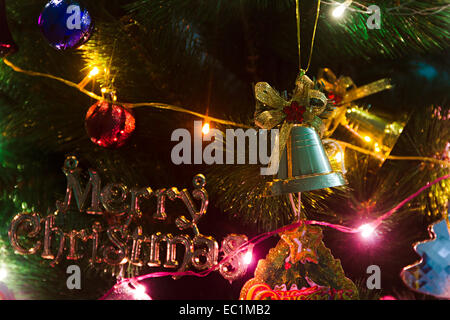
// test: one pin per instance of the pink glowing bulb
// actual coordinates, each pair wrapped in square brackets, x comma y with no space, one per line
[139,292]
[248,257]
[366,230]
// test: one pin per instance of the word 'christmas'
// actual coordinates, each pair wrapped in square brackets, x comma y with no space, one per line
[126,245]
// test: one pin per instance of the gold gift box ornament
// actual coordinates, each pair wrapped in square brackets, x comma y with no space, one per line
[376,133]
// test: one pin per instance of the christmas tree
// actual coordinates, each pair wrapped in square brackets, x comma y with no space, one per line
[96,95]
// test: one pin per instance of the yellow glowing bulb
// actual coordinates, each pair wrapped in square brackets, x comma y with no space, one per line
[103,90]
[338,157]
[367,138]
[205,128]
[377,148]
[338,12]
[95,71]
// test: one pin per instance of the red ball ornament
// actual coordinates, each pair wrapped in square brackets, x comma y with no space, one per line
[109,125]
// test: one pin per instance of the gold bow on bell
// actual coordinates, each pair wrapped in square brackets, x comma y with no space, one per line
[346,92]
[269,107]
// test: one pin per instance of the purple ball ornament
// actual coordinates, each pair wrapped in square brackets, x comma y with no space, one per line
[65,24]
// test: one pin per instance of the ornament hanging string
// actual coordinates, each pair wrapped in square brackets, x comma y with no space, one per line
[259,238]
[164,106]
[297,15]
[392,157]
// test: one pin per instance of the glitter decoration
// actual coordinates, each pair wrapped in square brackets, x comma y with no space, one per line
[65,24]
[109,125]
[432,274]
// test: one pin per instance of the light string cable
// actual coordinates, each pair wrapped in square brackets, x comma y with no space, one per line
[392,157]
[156,105]
[81,88]
[400,10]
[261,237]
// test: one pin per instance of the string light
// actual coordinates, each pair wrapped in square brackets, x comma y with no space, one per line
[338,157]
[205,128]
[338,12]
[367,138]
[3,273]
[108,94]
[222,121]
[366,230]
[248,256]
[139,291]
[399,9]
[127,289]
[94,72]
[377,147]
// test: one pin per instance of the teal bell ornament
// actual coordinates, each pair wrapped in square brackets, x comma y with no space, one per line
[304,164]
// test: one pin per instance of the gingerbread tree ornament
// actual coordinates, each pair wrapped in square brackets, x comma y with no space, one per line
[300,267]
